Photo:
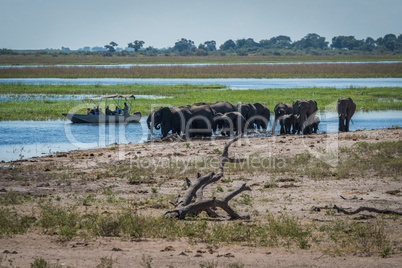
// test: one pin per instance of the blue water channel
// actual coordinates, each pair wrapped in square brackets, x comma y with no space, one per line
[25,139]
[59,97]
[229,83]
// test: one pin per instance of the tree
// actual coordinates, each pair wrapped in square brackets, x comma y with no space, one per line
[265,44]
[311,40]
[229,44]
[369,44]
[246,43]
[281,41]
[210,45]
[111,46]
[389,41]
[183,45]
[137,45]
[346,42]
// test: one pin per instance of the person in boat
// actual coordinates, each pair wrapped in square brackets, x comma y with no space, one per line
[125,109]
[108,111]
[93,111]
[117,111]
[100,111]
[88,111]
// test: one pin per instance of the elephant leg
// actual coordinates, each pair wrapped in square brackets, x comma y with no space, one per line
[164,131]
[347,125]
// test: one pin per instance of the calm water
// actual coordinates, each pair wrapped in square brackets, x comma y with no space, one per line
[231,83]
[57,97]
[24,139]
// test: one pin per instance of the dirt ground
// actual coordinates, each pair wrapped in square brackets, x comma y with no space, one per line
[295,195]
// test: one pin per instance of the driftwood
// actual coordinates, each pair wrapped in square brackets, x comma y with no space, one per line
[193,201]
[369,209]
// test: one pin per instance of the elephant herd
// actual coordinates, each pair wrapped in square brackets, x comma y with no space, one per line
[204,119]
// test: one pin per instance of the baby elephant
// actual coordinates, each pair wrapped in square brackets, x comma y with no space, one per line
[286,121]
[230,123]
[315,124]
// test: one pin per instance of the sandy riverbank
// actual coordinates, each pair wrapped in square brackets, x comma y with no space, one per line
[160,169]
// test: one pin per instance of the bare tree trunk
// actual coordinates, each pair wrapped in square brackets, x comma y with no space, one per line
[184,205]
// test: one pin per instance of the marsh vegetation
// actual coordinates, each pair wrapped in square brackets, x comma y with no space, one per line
[367,99]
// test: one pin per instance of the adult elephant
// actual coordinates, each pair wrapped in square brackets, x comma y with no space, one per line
[168,119]
[221,107]
[232,123]
[151,122]
[346,108]
[280,110]
[306,110]
[263,116]
[286,122]
[249,112]
[201,122]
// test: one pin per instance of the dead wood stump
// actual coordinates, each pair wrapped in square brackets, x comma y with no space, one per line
[193,203]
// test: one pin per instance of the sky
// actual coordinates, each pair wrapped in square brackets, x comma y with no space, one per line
[40,24]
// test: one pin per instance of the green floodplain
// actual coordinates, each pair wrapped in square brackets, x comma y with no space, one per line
[54,58]
[367,99]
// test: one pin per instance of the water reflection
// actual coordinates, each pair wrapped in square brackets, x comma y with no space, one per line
[230,83]
[25,139]
[58,97]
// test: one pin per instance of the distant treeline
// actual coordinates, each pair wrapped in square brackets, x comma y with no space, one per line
[280,45]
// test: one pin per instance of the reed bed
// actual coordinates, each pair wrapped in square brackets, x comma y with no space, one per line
[368,70]
[74,58]
[367,99]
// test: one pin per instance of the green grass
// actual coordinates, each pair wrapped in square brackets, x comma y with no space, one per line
[46,59]
[337,237]
[124,219]
[367,99]
[214,71]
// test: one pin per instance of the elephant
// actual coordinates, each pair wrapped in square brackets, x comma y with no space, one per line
[202,121]
[286,122]
[249,112]
[151,122]
[314,125]
[280,110]
[263,116]
[172,119]
[306,109]
[221,107]
[231,122]
[346,108]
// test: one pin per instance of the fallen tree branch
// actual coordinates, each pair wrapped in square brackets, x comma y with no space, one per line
[197,207]
[369,209]
[194,192]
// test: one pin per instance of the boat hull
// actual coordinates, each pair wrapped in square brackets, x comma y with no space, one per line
[109,119]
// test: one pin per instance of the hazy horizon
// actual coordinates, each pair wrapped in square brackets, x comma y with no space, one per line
[41,24]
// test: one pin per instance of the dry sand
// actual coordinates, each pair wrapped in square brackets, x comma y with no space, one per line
[296,196]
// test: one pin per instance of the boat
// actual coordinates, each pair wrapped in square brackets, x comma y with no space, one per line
[118,118]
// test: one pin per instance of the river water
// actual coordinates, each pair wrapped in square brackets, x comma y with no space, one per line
[25,139]
[59,97]
[230,83]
